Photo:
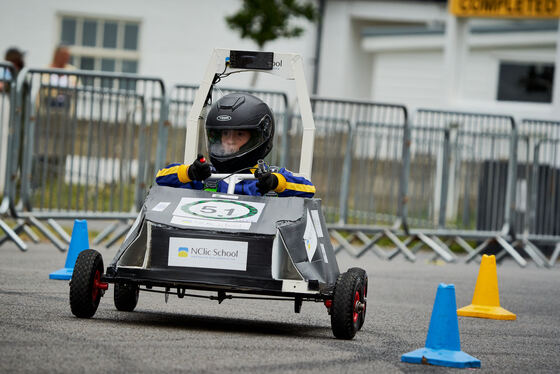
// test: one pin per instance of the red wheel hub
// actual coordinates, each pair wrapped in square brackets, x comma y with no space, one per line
[356,301]
[365,298]
[98,285]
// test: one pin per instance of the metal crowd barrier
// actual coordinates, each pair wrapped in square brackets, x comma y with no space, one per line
[369,155]
[459,184]
[375,161]
[471,160]
[7,101]
[538,179]
[331,163]
[181,99]
[477,178]
[88,144]
[89,147]
[7,150]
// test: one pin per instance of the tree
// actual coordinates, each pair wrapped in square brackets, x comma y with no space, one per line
[266,20]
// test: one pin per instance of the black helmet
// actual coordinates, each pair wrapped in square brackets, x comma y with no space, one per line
[247,117]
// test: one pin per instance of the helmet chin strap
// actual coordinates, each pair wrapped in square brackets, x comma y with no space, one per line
[231,165]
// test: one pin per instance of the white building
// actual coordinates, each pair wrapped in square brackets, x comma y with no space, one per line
[171,39]
[395,51]
[390,51]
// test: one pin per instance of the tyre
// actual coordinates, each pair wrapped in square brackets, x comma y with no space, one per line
[347,305]
[363,275]
[126,296]
[86,288]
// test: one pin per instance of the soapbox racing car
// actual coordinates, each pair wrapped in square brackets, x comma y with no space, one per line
[229,245]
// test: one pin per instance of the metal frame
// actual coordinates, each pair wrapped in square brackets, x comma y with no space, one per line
[286,112]
[288,66]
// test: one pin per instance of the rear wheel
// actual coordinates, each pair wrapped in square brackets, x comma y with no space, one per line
[347,305]
[363,275]
[86,287]
[126,296]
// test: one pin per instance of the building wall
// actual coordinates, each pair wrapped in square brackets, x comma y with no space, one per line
[409,68]
[346,67]
[412,78]
[176,36]
[415,78]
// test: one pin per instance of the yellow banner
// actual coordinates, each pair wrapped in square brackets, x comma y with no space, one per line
[506,8]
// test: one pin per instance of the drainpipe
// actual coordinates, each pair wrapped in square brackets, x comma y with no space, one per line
[322,6]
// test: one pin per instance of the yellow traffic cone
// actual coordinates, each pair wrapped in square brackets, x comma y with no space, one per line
[486,298]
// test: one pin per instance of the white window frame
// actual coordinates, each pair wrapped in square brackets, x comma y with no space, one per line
[516,57]
[98,52]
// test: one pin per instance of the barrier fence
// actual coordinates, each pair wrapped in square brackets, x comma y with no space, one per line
[538,207]
[87,145]
[7,113]
[7,96]
[469,154]
[359,145]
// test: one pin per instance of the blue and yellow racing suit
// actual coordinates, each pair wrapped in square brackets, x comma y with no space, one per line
[176,175]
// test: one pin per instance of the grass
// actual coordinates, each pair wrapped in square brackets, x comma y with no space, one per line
[77,197]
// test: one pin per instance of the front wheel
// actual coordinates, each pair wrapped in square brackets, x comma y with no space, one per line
[363,275]
[347,305]
[126,296]
[86,287]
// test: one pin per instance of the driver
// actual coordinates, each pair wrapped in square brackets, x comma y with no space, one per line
[239,132]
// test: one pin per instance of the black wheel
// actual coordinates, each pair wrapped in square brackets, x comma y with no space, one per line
[86,287]
[347,305]
[363,275]
[126,296]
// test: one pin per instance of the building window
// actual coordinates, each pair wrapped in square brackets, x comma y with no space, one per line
[529,82]
[101,44]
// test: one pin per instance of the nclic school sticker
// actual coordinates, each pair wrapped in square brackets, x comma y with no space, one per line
[219,209]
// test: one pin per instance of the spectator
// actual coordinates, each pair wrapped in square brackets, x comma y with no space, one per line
[15,56]
[55,106]
[61,58]
[58,88]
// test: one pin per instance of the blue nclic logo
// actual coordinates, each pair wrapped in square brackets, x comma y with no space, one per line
[183,252]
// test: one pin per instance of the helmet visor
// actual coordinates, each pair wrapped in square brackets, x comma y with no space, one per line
[229,143]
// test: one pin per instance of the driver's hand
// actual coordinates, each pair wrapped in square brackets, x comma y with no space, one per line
[199,170]
[266,182]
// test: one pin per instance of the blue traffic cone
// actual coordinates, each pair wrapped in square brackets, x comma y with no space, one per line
[78,243]
[443,345]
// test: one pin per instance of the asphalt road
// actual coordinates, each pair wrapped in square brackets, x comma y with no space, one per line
[40,334]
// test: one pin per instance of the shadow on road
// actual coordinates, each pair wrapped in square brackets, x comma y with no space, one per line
[219,324]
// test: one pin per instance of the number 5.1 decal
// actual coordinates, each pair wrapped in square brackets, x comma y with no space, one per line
[212,211]
[220,209]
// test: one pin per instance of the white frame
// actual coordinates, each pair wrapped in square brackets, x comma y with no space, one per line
[286,65]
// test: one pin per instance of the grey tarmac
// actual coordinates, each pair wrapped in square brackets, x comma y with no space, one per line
[40,334]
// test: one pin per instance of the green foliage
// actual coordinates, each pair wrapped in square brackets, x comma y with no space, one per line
[266,20]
